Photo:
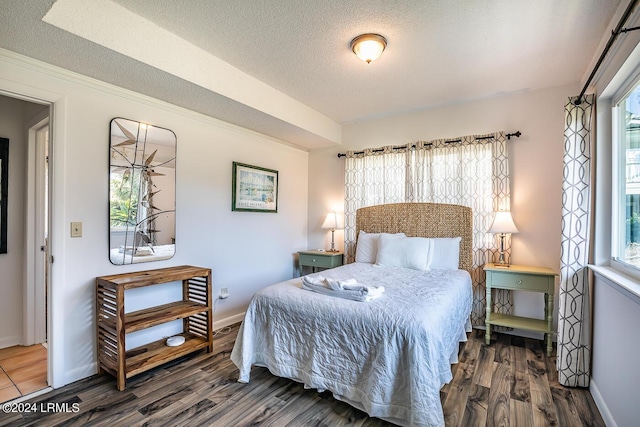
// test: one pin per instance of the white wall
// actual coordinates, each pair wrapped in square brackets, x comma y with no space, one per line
[614,375]
[535,164]
[246,251]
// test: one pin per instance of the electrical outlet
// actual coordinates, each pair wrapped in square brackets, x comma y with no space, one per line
[224,293]
[76,229]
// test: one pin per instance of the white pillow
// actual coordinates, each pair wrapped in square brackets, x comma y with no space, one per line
[402,251]
[367,246]
[446,253]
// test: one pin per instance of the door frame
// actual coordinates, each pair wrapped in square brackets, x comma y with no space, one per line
[34,306]
[55,299]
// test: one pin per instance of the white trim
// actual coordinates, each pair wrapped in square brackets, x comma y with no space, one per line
[56,281]
[86,371]
[31,395]
[227,321]
[609,421]
[80,373]
[625,79]
[626,285]
[35,262]
[10,341]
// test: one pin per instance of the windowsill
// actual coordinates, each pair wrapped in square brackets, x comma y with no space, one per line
[620,282]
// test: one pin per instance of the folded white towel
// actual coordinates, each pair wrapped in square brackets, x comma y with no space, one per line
[349,285]
[144,250]
[348,289]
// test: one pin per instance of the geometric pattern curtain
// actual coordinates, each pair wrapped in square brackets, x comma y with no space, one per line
[470,171]
[574,315]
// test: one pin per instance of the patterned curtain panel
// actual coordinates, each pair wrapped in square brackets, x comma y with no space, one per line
[374,177]
[574,317]
[472,171]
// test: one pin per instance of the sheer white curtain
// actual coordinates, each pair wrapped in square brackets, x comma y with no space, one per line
[373,177]
[471,171]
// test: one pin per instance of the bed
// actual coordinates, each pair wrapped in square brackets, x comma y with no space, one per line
[119,256]
[388,357]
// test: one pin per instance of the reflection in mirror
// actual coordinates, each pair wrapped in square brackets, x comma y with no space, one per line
[142,166]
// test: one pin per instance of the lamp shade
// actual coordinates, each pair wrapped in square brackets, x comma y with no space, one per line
[368,47]
[333,221]
[503,223]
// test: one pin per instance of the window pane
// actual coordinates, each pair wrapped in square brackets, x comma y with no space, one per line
[630,148]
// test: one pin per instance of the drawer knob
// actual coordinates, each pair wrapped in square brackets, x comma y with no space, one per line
[519,282]
[313,260]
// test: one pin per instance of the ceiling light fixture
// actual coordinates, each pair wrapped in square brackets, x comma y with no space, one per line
[368,47]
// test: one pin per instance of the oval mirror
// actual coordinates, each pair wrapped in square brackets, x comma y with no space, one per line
[142,166]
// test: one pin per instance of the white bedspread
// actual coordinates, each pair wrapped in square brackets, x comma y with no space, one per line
[388,357]
[160,252]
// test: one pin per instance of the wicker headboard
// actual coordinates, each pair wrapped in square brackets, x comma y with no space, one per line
[421,220]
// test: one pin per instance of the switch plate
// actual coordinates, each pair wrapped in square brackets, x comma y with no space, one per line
[76,229]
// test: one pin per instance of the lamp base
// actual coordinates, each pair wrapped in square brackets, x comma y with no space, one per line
[498,265]
[333,243]
[502,260]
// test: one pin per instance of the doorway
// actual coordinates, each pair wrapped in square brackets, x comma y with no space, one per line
[24,354]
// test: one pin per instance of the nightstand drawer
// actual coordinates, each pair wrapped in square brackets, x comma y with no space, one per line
[528,282]
[319,261]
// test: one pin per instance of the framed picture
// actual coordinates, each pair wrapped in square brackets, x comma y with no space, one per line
[255,189]
[4,190]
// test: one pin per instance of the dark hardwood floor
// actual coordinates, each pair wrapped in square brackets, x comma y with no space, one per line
[510,383]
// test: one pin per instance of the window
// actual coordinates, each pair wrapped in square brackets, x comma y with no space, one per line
[626,194]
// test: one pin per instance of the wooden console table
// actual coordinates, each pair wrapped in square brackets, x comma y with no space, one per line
[113,324]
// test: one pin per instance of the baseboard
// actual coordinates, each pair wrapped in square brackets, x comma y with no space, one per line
[91,369]
[80,373]
[32,395]
[602,405]
[10,341]
[227,321]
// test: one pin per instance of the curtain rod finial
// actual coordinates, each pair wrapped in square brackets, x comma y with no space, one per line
[517,134]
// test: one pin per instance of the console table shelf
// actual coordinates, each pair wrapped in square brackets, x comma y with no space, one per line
[521,278]
[519,322]
[157,353]
[160,314]
[113,324]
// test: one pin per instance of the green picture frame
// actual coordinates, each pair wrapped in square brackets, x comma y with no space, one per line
[254,189]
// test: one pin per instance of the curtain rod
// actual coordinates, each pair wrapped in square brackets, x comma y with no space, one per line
[614,34]
[448,141]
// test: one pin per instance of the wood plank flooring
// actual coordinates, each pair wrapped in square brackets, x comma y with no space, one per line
[510,383]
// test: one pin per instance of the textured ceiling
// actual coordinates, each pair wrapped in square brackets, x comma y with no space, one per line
[439,52]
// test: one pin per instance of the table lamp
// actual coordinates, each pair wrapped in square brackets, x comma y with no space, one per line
[502,225]
[333,222]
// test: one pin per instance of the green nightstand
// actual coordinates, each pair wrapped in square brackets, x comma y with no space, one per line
[315,258]
[522,278]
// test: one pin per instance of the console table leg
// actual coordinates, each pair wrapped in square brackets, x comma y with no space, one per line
[487,336]
[549,313]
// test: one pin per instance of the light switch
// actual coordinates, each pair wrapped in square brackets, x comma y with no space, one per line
[76,229]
